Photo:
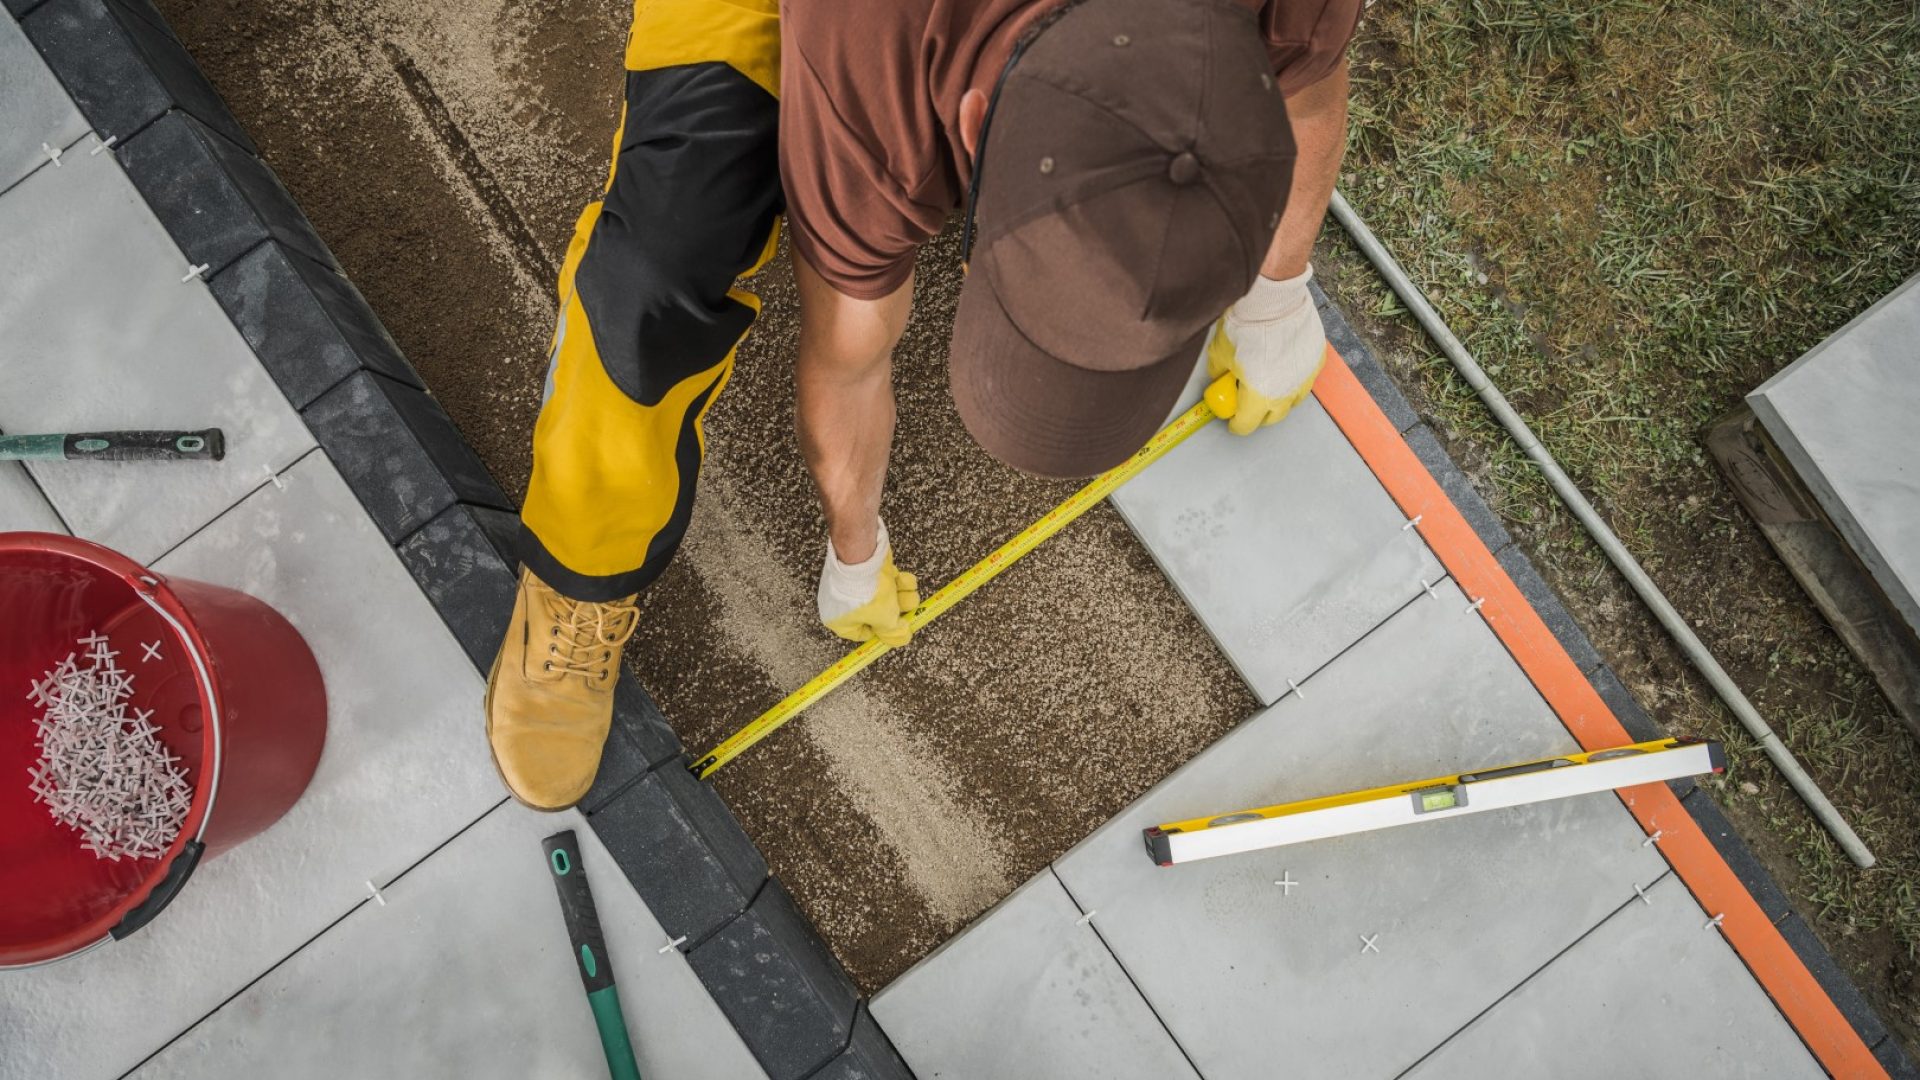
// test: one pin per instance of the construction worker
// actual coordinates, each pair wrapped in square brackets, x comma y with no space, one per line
[1131,172]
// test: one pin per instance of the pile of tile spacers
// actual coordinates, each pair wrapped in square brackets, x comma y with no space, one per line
[103,770]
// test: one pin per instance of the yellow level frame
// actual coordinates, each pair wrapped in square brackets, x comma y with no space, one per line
[1435,797]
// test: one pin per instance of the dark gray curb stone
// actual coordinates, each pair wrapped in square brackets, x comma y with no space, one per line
[1546,602]
[216,199]
[19,8]
[463,561]
[400,453]
[1834,981]
[1460,490]
[786,995]
[306,323]
[1894,1059]
[869,1056]
[693,885]
[1706,813]
[1341,335]
[123,70]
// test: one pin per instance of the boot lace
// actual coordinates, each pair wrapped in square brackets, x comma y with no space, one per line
[586,636]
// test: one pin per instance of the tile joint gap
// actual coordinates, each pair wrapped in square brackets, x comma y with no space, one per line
[1131,981]
[1531,975]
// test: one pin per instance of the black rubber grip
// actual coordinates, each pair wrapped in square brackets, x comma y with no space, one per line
[576,905]
[208,445]
[169,887]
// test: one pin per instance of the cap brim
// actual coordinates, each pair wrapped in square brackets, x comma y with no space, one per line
[1043,415]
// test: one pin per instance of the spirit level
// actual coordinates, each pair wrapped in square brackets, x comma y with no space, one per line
[1427,800]
[1220,399]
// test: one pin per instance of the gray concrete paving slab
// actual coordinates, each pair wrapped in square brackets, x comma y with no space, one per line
[1282,542]
[465,971]
[1250,973]
[34,110]
[102,334]
[1843,416]
[1026,991]
[405,767]
[1650,993]
[22,507]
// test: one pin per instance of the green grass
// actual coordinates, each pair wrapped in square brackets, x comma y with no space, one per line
[1633,213]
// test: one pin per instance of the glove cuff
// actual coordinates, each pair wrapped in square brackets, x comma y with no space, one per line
[846,586]
[1273,299]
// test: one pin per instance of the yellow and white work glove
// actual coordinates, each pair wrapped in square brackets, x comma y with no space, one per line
[1274,344]
[868,599]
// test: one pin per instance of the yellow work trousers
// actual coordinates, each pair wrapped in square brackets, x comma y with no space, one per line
[649,311]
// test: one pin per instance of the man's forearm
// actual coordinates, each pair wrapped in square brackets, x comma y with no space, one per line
[1319,117]
[844,403]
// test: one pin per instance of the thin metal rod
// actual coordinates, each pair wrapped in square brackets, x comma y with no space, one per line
[1616,552]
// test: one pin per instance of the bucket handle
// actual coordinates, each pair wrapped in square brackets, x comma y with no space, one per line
[146,589]
[163,893]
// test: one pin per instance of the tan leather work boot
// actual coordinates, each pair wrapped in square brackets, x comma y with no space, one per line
[550,695]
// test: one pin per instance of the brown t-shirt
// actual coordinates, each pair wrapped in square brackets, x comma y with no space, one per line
[870,150]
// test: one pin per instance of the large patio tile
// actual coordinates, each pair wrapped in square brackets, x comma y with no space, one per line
[1250,974]
[465,971]
[1651,992]
[1282,542]
[22,507]
[1027,991]
[104,335]
[405,767]
[34,110]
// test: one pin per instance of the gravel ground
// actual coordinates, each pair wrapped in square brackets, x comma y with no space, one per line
[443,150]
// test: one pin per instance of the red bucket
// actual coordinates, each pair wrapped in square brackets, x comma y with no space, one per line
[236,696]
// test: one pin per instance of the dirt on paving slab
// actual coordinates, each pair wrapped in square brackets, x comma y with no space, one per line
[443,150]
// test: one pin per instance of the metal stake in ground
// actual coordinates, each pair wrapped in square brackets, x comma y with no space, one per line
[1219,400]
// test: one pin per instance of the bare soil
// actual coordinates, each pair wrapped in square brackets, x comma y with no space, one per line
[443,149]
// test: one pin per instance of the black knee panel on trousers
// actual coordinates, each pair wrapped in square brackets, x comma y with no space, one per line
[696,190]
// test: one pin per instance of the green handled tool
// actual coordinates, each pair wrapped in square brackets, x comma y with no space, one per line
[208,445]
[590,952]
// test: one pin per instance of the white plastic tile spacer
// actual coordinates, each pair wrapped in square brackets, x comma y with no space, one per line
[1412,522]
[1642,894]
[1296,688]
[274,477]
[104,143]
[152,651]
[193,272]
[1286,883]
[1085,919]
[1478,602]
[53,155]
[1654,838]
[375,890]
[1429,588]
[1369,943]
[672,945]
[1714,923]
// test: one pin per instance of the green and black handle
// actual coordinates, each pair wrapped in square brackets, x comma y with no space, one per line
[208,445]
[590,952]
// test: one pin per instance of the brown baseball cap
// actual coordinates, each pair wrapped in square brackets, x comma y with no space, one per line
[1136,158]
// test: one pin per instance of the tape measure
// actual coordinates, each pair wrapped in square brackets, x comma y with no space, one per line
[1428,800]
[1219,400]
